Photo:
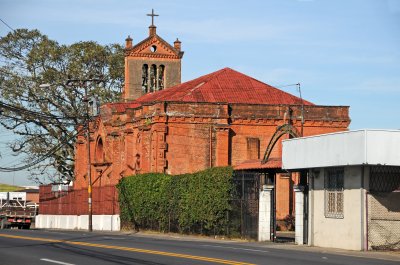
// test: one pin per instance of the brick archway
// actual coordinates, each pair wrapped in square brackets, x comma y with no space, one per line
[280,131]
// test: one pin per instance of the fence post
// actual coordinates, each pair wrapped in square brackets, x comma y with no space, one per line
[265,213]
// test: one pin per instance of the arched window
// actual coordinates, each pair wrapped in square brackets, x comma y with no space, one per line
[161,70]
[153,73]
[99,152]
[145,78]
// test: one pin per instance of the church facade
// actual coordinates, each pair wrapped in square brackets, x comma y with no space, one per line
[220,119]
[224,118]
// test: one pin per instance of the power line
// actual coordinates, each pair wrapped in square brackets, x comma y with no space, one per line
[44,157]
[48,117]
[8,26]
[280,86]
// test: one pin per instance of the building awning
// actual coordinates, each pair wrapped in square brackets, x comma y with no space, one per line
[272,163]
[350,148]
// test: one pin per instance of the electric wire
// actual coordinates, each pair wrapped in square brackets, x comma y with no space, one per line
[8,26]
[19,109]
[52,151]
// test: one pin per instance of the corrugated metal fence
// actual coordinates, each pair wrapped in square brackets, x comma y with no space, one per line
[75,202]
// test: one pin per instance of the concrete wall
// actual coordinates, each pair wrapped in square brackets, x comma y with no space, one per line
[74,222]
[347,232]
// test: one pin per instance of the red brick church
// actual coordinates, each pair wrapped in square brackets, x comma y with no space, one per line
[219,119]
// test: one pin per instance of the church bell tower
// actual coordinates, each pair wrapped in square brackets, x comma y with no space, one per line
[151,65]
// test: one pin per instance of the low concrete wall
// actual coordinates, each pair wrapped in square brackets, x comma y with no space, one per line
[100,222]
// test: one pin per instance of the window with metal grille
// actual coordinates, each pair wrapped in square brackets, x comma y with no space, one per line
[334,186]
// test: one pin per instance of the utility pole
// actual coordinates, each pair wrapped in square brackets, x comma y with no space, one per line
[84,83]
[302,110]
[301,102]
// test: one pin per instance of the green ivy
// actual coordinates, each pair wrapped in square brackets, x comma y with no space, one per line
[189,203]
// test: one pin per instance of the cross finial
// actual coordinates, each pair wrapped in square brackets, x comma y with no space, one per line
[152,15]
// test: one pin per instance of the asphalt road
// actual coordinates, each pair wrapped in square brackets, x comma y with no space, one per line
[18,247]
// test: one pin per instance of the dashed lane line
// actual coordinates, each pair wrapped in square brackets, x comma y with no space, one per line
[57,262]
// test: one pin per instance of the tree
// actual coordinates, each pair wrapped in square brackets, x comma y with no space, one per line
[44,118]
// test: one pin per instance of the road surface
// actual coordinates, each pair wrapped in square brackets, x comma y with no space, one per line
[18,247]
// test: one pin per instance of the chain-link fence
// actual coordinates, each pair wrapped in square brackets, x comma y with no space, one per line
[384,208]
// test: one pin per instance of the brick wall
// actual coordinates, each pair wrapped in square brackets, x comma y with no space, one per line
[177,138]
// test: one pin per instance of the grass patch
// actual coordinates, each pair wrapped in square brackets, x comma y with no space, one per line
[6,187]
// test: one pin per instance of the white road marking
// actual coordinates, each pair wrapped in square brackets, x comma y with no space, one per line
[55,232]
[116,238]
[57,262]
[324,258]
[246,249]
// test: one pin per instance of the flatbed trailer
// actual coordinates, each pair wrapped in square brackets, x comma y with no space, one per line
[15,212]
[15,221]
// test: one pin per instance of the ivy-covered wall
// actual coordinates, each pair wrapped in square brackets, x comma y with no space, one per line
[191,203]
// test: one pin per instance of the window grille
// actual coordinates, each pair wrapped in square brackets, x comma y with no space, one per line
[334,186]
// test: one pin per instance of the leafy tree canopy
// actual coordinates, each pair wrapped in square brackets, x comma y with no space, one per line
[28,59]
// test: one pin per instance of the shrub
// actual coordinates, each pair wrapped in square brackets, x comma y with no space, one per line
[197,202]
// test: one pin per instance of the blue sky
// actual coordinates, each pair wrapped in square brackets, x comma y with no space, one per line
[343,52]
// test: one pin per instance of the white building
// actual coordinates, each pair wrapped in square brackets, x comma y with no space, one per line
[353,196]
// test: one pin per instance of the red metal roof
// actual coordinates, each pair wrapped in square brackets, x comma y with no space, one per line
[224,86]
[256,164]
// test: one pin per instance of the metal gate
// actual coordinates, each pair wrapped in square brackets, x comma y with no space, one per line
[247,190]
[384,208]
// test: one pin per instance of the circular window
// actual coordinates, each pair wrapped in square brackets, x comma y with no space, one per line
[153,48]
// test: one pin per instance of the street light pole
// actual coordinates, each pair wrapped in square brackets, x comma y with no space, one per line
[84,83]
[89,169]
[302,110]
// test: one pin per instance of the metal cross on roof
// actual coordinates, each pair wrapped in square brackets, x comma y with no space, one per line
[152,15]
